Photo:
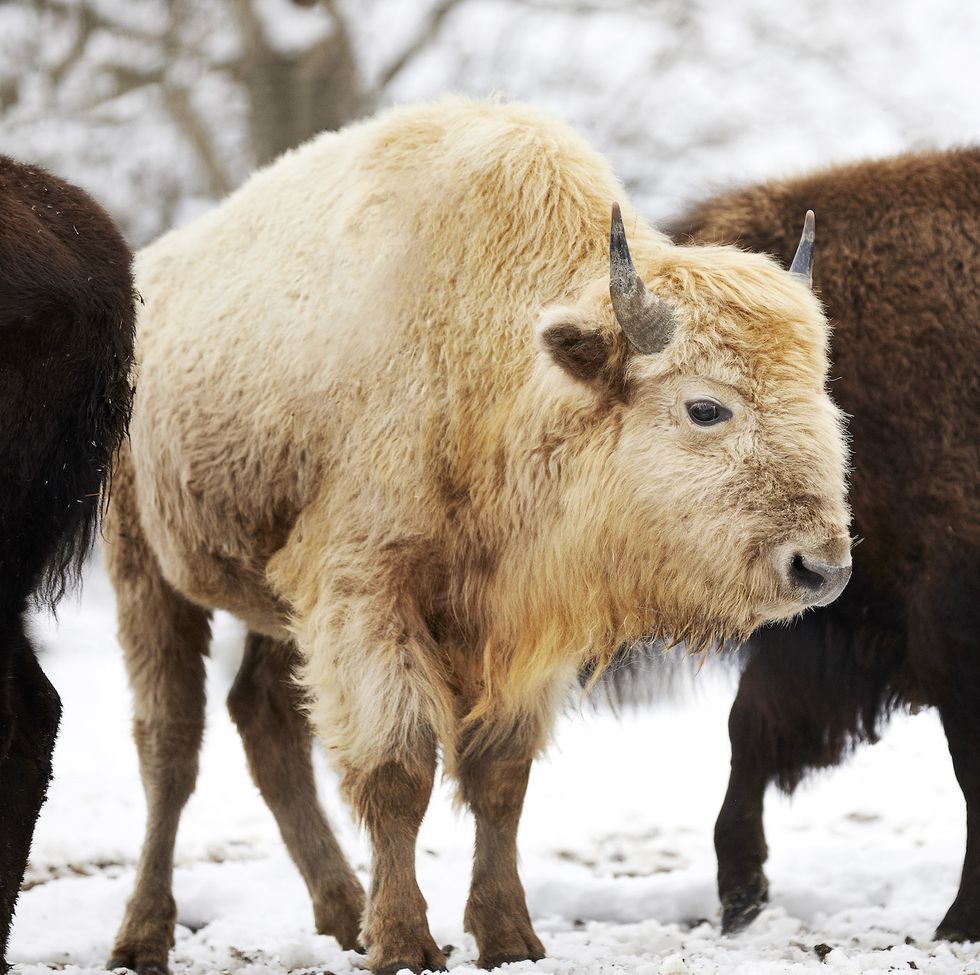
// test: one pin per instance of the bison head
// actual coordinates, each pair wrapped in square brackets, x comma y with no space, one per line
[711,460]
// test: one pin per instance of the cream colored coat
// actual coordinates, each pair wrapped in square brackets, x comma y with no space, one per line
[349,429]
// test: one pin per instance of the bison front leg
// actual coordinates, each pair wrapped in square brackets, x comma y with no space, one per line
[962,920]
[740,840]
[391,799]
[493,781]
[378,699]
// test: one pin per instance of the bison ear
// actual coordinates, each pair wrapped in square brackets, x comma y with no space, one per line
[576,346]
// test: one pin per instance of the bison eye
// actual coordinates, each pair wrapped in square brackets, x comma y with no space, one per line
[706,413]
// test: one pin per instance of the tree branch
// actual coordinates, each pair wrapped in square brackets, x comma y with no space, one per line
[178,102]
[422,39]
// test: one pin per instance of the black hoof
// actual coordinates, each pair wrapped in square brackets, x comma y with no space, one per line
[741,906]
[951,931]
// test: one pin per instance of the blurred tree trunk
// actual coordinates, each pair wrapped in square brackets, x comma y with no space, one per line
[293,95]
[213,89]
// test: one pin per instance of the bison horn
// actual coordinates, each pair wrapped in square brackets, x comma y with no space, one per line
[646,321]
[802,266]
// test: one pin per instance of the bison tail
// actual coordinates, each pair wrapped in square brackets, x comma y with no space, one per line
[84,452]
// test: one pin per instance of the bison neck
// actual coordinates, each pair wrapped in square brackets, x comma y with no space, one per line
[551,585]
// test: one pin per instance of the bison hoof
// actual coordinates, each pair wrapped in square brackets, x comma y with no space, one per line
[490,962]
[520,943]
[429,965]
[742,905]
[340,916]
[958,929]
[503,932]
[423,957]
[141,967]
[396,966]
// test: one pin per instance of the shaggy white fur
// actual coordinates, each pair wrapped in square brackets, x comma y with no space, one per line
[385,410]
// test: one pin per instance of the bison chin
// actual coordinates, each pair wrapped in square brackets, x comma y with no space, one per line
[777,586]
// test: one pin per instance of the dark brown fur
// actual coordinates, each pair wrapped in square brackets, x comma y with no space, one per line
[66,346]
[584,355]
[898,266]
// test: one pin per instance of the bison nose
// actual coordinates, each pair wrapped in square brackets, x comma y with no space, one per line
[819,582]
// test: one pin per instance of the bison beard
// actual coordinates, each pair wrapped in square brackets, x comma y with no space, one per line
[897,268]
[408,408]
[66,332]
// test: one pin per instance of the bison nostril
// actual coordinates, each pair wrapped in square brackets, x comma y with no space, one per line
[821,582]
[806,573]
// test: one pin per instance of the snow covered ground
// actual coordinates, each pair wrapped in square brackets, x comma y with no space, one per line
[616,843]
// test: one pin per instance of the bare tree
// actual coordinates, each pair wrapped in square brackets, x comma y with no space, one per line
[231,84]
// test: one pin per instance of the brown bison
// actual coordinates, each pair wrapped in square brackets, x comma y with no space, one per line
[66,346]
[408,411]
[899,270]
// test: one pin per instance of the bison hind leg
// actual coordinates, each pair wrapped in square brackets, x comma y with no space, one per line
[30,711]
[164,639]
[266,705]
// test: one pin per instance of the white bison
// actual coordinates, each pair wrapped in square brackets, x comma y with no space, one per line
[405,410]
